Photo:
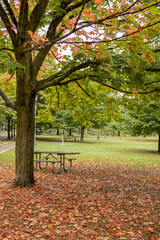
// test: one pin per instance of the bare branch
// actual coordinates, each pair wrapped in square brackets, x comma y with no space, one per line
[8,103]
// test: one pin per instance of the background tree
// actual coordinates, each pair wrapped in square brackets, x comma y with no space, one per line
[144,119]
[91,29]
[84,105]
[8,85]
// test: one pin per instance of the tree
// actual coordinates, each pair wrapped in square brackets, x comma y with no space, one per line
[8,113]
[91,29]
[144,119]
[83,105]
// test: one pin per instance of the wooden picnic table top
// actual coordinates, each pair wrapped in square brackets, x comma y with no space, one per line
[57,152]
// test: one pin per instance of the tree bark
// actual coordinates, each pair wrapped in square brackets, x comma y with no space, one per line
[70,132]
[159,142]
[82,133]
[26,94]
[14,128]
[9,128]
[57,131]
[24,172]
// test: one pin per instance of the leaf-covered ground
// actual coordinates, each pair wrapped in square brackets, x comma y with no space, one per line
[94,201]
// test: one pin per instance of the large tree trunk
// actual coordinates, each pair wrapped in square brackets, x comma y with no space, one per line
[159,143]
[24,172]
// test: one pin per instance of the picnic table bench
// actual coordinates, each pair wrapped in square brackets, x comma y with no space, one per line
[54,157]
[69,137]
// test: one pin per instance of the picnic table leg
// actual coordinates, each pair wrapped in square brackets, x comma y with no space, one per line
[53,167]
[64,164]
[36,161]
[60,168]
[40,162]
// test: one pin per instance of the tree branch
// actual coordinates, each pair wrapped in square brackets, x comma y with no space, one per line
[57,78]
[128,92]
[23,16]
[7,24]
[152,69]
[36,15]
[59,40]
[11,13]
[5,48]
[84,90]
[8,103]
[84,3]
[110,40]
[69,81]
[156,50]
[51,34]
[150,83]
[77,5]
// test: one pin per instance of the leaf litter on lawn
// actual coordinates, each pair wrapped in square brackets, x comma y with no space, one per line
[93,201]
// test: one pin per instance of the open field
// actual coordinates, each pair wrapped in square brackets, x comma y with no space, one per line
[129,150]
[112,192]
[139,151]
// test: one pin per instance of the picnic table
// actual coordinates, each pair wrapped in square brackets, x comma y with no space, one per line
[54,157]
[70,138]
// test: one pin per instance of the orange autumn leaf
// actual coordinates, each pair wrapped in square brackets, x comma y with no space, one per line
[30,33]
[98,2]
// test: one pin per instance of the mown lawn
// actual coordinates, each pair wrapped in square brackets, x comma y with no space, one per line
[112,192]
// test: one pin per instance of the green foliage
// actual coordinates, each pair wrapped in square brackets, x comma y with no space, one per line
[144,119]
[9,65]
[7,62]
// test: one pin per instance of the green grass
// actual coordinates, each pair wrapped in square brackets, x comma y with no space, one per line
[129,150]
[137,151]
